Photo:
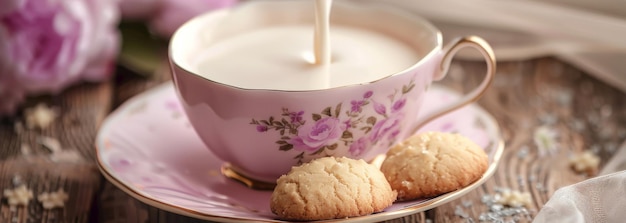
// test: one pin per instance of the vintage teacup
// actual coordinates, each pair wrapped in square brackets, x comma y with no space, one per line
[262,133]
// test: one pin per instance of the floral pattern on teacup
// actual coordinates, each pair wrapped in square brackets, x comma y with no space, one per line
[321,133]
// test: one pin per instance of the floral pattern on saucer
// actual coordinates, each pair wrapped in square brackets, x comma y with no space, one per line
[148,149]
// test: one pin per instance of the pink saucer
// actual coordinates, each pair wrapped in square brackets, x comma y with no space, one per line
[148,149]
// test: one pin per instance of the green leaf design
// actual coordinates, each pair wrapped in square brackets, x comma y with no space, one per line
[371,120]
[407,89]
[317,117]
[299,156]
[286,147]
[281,142]
[346,135]
[327,111]
[319,151]
[337,110]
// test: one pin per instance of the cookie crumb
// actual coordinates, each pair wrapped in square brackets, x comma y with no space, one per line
[585,162]
[18,196]
[498,213]
[514,198]
[545,139]
[53,200]
[40,116]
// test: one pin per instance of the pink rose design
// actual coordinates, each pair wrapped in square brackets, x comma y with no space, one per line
[385,127]
[49,45]
[313,136]
[357,148]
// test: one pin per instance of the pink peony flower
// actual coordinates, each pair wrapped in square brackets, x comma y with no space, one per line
[311,137]
[46,46]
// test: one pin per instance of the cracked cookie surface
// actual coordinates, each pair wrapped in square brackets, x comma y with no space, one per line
[433,163]
[331,187]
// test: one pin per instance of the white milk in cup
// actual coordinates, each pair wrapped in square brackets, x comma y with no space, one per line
[284,57]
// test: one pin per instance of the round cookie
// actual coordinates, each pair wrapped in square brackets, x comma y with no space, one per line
[329,188]
[433,163]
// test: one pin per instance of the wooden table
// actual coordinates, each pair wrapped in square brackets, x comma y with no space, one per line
[587,114]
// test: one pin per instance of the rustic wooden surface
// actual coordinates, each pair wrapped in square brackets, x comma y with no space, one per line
[586,113]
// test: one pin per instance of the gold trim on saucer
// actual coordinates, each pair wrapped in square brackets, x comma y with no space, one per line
[229,172]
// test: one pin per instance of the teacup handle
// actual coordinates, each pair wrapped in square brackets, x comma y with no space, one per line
[450,50]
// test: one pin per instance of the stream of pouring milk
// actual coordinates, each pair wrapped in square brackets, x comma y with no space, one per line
[280,57]
[321,43]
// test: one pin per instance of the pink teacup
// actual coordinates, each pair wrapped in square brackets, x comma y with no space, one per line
[262,133]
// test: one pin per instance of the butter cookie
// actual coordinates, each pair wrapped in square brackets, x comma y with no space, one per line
[433,163]
[329,188]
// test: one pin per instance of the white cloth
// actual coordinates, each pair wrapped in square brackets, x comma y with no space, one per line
[587,34]
[600,199]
